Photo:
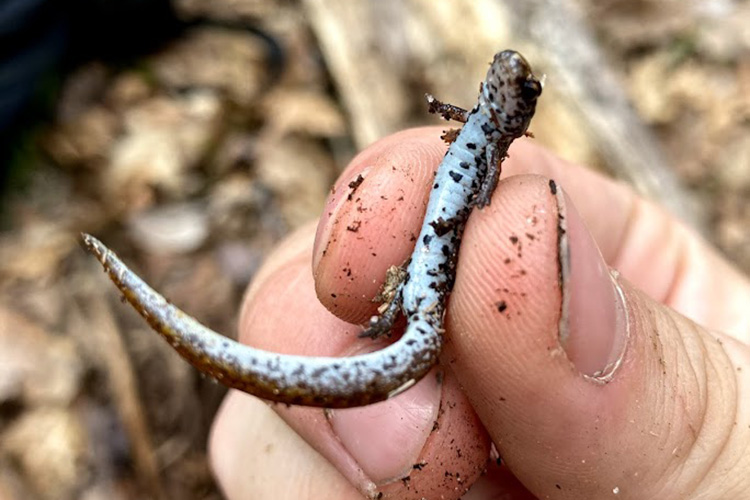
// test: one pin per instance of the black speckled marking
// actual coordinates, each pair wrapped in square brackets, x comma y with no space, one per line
[442,226]
[456,176]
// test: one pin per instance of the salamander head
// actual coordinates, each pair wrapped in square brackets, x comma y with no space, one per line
[510,92]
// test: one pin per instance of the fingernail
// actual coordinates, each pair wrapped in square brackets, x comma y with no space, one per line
[386,438]
[593,324]
[341,193]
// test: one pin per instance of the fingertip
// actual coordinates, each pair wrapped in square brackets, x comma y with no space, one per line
[372,219]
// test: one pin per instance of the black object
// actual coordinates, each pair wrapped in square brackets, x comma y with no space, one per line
[40,39]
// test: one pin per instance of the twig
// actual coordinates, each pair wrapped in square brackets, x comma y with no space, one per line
[357,64]
[103,331]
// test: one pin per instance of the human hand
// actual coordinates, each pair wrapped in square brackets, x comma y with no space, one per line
[590,387]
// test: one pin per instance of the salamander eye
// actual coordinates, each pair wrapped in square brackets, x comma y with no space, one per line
[531,89]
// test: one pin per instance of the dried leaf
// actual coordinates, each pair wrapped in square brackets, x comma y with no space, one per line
[233,62]
[84,140]
[303,111]
[164,137]
[299,173]
[36,366]
[51,449]
[35,252]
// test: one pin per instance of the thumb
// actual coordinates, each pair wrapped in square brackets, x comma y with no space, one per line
[588,387]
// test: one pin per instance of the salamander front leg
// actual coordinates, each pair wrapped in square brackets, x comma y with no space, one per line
[494,159]
[447,111]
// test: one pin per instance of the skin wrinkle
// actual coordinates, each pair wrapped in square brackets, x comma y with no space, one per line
[303,420]
[688,267]
[680,272]
[625,235]
[686,259]
[732,346]
[641,229]
[746,448]
[694,423]
[699,361]
[702,382]
[732,397]
[660,473]
[744,452]
[622,236]
[279,446]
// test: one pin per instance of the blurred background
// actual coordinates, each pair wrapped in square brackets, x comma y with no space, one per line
[191,136]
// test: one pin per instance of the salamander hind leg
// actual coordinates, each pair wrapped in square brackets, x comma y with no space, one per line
[391,298]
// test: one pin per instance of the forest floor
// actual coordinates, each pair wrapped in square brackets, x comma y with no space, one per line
[195,158]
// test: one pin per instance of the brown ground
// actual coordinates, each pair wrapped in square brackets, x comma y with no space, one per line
[193,161]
